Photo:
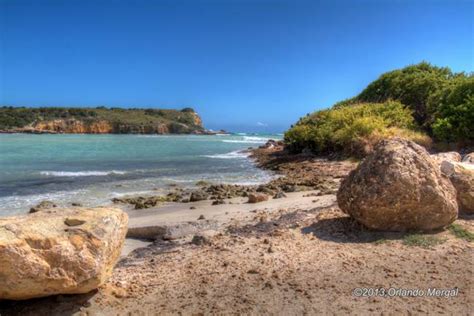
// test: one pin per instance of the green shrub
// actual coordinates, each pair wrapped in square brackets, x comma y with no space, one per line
[354,129]
[412,86]
[453,111]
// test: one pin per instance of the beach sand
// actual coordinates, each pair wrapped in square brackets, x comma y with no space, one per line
[290,256]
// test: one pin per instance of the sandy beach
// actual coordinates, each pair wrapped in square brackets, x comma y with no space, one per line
[294,255]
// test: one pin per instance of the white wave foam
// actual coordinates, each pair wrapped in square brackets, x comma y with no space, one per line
[80,173]
[232,155]
[190,180]
[243,141]
[248,140]
[256,138]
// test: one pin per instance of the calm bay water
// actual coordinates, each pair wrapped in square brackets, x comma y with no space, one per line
[92,169]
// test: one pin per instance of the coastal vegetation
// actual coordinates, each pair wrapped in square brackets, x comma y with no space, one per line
[351,129]
[419,102]
[99,120]
[423,241]
[461,233]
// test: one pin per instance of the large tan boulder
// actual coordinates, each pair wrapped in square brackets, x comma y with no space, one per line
[399,187]
[462,177]
[59,251]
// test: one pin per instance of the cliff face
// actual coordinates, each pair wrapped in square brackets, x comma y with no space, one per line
[100,121]
[197,120]
[73,126]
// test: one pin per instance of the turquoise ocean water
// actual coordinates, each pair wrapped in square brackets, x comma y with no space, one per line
[92,169]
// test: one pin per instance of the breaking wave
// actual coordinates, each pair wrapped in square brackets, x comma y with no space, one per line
[248,140]
[238,154]
[80,173]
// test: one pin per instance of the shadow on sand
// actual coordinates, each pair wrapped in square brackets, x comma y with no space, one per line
[51,305]
[347,230]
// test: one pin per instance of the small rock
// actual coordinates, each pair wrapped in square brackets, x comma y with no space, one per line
[279,195]
[76,204]
[73,221]
[192,207]
[204,237]
[198,196]
[218,202]
[289,188]
[447,156]
[469,158]
[44,205]
[199,240]
[257,197]
[119,293]
[462,177]
[201,217]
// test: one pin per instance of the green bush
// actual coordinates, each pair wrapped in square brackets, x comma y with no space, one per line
[441,100]
[354,129]
[412,86]
[453,112]
[402,102]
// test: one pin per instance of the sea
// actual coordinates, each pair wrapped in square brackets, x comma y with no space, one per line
[93,169]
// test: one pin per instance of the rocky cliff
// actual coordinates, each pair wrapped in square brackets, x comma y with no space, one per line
[100,121]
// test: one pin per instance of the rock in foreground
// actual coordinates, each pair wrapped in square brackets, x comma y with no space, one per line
[399,187]
[462,177]
[59,251]
[257,197]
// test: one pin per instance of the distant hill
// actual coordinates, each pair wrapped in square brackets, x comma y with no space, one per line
[100,120]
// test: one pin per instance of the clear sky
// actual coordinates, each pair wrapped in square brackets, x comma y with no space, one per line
[243,65]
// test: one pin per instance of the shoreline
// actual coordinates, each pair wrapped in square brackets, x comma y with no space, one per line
[289,255]
[150,169]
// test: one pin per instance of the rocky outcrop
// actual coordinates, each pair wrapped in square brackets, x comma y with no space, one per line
[399,187]
[59,251]
[272,144]
[462,177]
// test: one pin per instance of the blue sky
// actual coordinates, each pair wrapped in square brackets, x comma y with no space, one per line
[243,65]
